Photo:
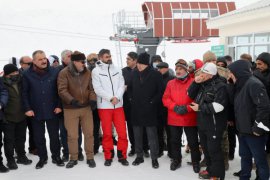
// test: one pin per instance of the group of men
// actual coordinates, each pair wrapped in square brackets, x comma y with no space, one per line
[203,98]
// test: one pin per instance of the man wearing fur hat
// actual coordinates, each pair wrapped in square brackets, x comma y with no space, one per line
[77,94]
[145,89]
[109,85]
[210,100]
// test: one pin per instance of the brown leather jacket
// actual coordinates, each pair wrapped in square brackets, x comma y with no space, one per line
[73,85]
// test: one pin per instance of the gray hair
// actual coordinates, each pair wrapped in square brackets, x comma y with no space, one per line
[64,53]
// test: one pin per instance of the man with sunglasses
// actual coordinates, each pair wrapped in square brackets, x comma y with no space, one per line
[77,94]
[25,62]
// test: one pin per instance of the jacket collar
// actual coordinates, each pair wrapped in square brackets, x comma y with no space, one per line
[103,65]
[72,69]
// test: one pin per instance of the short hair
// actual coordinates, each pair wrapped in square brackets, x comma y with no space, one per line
[37,52]
[155,58]
[64,53]
[209,56]
[246,56]
[228,58]
[133,55]
[103,51]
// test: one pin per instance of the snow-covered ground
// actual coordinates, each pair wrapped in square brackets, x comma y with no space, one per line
[115,172]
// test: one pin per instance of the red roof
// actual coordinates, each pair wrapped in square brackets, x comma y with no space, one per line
[185,20]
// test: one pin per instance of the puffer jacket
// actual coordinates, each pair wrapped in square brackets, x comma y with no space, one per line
[176,94]
[73,85]
[108,82]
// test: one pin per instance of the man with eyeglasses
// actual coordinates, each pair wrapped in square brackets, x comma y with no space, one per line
[109,86]
[78,98]
[25,62]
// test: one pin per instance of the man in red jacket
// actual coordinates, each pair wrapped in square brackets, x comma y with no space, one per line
[181,116]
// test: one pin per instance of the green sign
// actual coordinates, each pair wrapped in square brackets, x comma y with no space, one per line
[218,50]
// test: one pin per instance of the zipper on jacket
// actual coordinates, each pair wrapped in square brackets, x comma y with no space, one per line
[215,126]
[111,82]
[81,88]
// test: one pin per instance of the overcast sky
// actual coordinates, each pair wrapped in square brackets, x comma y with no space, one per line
[93,18]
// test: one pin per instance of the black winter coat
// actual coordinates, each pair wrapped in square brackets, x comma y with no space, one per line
[3,98]
[213,90]
[40,93]
[145,90]
[252,103]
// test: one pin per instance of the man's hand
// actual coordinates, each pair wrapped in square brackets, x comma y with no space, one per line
[30,113]
[57,110]
[194,106]
[114,101]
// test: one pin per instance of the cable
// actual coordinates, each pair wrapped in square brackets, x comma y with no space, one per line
[54,34]
[53,30]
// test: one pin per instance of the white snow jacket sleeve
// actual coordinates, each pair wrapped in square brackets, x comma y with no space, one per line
[121,88]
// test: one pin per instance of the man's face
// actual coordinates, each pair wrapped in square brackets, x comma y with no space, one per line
[26,62]
[180,71]
[40,60]
[80,65]
[163,70]
[131,62]
[261,66]
[106,58]
[141,67]
[205,76]
[12,74]
[67,58]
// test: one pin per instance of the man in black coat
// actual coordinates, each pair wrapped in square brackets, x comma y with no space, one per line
[41,102]
[251,105]
[210,94]
[3,103]
[163,68]
[145,89]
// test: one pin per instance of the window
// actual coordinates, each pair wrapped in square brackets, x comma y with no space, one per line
[244,39]
[261,38]
[194,13]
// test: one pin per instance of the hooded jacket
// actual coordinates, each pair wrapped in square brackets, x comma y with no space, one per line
[251,102]
[108,82]
[74,85]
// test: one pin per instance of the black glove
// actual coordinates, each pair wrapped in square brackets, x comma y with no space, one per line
[75,103]
[93,104]
[180,110]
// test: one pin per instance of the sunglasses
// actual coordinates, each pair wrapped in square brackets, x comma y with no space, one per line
[83,62]
[28,63]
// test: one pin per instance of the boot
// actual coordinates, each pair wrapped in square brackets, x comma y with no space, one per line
[11,164]
[41,163]
[146,153]
[155,163]
[196,167]
[91,163]
[71,163]
[3,169]
[58,161]
[137,161]
[175,164]
[131,153]
[124,162]
[24,160]
[108,162]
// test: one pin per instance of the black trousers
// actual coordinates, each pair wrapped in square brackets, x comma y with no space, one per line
[152,137]
[15,137]
[96,122]
[232,139]
[192,138]
[161,138]
[31,141]
[40,140]
[1,139]
[211,144]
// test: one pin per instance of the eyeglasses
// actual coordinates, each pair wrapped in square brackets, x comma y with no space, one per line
[83,62]
[28,63]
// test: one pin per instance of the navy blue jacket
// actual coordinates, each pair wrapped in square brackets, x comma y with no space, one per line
[3,98]
[40,93]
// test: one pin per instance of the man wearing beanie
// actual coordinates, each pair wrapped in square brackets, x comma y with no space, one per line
[77,94]
[251,105]
[181,116]
[41,103]
[109,86]
[145,89]
[210,100]
[15,126]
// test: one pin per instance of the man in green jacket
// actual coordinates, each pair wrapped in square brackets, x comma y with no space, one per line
[14,118]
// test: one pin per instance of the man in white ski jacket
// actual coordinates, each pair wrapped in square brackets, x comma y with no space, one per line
[109,86]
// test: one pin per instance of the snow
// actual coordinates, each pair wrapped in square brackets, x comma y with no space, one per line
[115,172]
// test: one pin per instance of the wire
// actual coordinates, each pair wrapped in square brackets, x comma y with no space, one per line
[53,30]
[55,34]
